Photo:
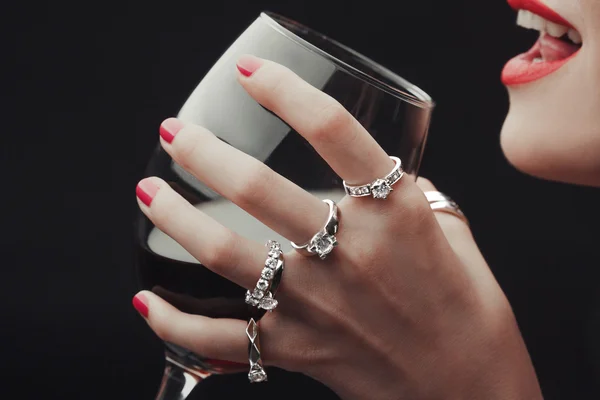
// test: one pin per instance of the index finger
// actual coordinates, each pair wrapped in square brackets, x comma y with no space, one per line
[330,129]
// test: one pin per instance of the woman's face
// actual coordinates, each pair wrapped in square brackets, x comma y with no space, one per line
[553,126]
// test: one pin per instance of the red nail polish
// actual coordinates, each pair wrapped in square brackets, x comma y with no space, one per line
[169,128]
[247,65]
[140,303]
[146,190]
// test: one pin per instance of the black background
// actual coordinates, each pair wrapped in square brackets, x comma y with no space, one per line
[86,88]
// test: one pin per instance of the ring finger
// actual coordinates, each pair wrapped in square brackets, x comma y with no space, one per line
[216,247]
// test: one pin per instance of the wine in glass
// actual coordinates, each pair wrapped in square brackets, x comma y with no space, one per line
[394,111]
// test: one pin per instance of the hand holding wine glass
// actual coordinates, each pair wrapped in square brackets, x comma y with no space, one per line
[395,112]
[403,307]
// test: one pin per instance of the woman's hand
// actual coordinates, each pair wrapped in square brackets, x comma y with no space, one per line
[404,308]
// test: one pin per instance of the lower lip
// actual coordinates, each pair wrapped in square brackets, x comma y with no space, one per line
[522,69]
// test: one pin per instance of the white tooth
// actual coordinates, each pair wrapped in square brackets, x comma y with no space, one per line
[521,18]
[539,23]
[574,36]
[555,30]
[524,19]
[529,20]
[538,60]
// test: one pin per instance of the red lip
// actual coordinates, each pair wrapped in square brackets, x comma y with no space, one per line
[522,69]
[539,8]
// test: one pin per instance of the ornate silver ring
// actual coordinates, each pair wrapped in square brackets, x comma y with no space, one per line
[379,188]
[323,242]
[263,295]
[257,372]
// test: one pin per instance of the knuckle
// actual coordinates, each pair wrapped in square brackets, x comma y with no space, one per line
[368,266]
[221,253]
[164,211]
[253,191]
[332,124]
[162,331]
[186,147]
[273,88]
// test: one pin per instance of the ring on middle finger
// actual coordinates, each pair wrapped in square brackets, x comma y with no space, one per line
[323,242]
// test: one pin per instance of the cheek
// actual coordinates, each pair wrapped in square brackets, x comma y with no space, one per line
[553,126]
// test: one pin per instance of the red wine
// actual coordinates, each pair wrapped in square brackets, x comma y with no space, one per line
[392,110]
[168,270]
[191,287]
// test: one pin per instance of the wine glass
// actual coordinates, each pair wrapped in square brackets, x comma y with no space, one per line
[394,111]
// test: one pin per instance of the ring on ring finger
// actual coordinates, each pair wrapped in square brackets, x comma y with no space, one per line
[263,295]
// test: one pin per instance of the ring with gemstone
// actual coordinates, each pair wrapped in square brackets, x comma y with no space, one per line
[323,242]
[379,188]
[263,295]
[439,201]
[257,372]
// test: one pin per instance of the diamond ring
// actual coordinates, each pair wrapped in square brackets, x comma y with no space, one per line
[323,242]
[379,188]
[263,294]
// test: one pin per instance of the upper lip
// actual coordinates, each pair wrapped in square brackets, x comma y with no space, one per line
[539,8]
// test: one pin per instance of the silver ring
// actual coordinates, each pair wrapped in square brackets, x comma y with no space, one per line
[438,201]
[323,242]
[263,294]
[257,372]
[379,188]
[433,196]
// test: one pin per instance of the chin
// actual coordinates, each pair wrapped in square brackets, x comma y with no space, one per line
[552,130]
[549,134]
[531,150]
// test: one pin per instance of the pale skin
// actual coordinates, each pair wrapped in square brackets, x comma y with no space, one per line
[406,306]
[552,130]
[404,298]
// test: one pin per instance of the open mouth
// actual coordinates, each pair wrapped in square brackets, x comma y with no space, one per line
[558,43]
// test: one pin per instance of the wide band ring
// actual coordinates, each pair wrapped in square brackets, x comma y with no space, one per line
[257,372]
[323,242]
[263,295]
[379,188]
[439,201]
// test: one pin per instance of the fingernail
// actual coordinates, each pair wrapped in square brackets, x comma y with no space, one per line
[169,128]
[146,190]
[140,303]
[247,64]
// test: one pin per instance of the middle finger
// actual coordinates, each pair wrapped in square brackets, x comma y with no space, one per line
[277,202]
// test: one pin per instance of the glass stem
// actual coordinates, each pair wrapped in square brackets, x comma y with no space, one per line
[177,382]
